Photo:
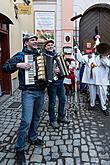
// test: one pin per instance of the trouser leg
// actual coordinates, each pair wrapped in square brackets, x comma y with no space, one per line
[92,90]
[27,110]
[62,100]
[103,96]
[38,106]
[52,102]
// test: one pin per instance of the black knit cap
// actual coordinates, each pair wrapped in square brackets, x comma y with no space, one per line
[103,48]
[48,41]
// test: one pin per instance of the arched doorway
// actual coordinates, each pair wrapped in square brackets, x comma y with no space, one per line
[5,79]
[97,15]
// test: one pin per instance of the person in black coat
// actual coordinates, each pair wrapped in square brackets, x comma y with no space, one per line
[32,97]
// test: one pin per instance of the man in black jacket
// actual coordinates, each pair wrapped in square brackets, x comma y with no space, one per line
[32,97]
[55,88]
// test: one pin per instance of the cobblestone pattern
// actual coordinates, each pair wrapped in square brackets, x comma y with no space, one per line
[85,141]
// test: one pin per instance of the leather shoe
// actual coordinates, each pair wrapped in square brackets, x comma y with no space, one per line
[37,142]
[54,124]
[105,112]
[20,158]
[64,121]
[91,108]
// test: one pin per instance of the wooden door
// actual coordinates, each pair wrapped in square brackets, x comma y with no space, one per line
[97,15]
[5,79]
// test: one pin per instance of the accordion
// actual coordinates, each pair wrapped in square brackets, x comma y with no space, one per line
[54,62]
[43,68]
[62,65]
[37,71]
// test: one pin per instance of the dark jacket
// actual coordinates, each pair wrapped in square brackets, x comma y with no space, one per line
[50,64]
[10,67]
[53,53]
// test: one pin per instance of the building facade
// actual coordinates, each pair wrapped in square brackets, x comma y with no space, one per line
[58,12]
[12,27]
[47,18]
[13,23]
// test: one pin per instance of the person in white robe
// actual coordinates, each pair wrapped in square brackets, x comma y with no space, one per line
[96,74]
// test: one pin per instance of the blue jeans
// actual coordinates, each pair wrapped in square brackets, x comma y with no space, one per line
[32,105]
[83,86]
[56,89]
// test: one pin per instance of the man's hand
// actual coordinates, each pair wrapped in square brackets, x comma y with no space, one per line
[25,66]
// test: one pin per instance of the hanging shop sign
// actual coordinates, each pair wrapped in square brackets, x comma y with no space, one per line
[24,9]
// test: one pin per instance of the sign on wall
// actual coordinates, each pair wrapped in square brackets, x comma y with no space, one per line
[45,25]
[67,38]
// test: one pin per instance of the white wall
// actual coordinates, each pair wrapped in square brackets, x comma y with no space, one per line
[51,6]
[81,5]
[58,26]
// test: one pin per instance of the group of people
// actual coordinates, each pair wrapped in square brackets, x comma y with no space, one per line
[95,75]
[32,95]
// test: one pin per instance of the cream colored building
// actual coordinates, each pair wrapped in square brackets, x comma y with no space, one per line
[24,23]
[11,32]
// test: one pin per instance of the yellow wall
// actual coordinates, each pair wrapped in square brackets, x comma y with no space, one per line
[22,24]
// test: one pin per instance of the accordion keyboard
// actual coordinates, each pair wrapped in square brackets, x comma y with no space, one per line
[30,74]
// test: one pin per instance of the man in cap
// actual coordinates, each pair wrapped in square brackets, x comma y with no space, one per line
[55,88]
[32,97]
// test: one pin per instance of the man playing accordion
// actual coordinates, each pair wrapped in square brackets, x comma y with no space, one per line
[32,96]
[55,88]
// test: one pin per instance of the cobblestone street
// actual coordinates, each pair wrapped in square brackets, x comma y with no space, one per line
[85,141]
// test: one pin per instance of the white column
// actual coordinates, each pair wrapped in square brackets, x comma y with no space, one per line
[58,26]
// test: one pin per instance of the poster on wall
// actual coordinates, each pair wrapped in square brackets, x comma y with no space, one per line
[45,25]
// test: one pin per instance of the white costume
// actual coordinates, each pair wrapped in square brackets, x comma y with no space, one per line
[96,75]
